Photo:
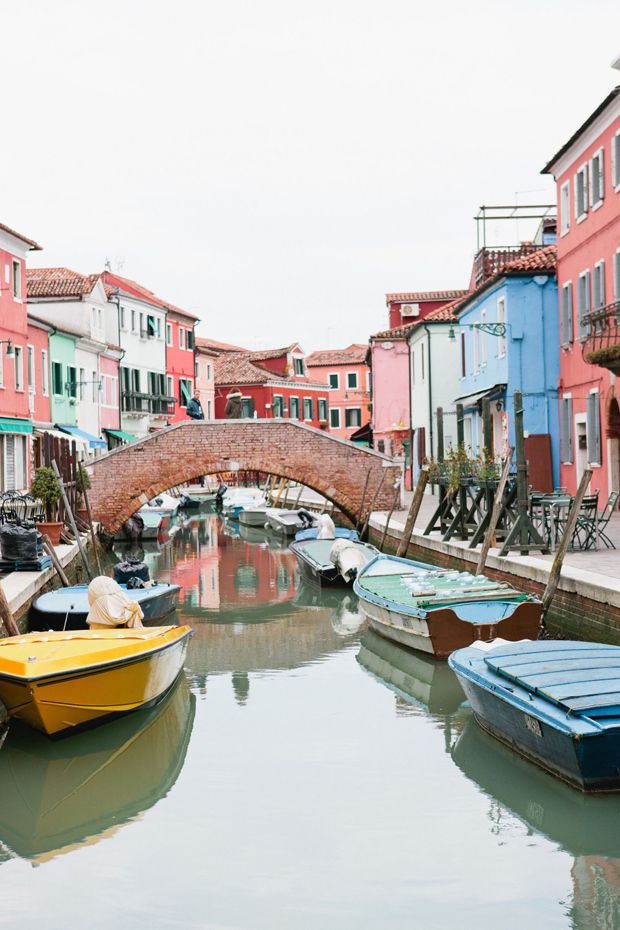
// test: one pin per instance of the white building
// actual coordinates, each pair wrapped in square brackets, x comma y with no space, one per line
[434,377]
[139,328]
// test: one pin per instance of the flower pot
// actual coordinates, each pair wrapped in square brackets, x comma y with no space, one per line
[53,530]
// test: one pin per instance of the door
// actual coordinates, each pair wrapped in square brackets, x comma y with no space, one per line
[581,446]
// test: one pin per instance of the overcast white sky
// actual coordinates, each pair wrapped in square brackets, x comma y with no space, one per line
[276,167]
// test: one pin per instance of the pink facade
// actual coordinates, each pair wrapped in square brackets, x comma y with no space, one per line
[180,360]
[391,419]
[109,415]
[205,377]
[587,172]
[39,373]
[345,371]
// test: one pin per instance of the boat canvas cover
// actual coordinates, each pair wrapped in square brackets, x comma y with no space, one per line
[317,551]
[583,678]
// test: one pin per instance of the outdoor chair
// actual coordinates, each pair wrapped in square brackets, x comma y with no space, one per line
[590,528]
[586,532]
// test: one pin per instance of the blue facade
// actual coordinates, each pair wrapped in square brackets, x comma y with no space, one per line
[526,360]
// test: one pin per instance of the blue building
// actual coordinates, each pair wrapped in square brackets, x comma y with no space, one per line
[523,296]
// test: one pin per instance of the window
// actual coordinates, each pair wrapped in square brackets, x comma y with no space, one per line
[71,381]
[142,329]
[208,410]
[352,380]
[615,161]
[581,193]
[158,322]
[196,369]
[151,326]
[122,317]
[298,366]
[333,380]
[463,357]
[277,405]
[353,416]
[422,361]
[208,371]
[476,341]
[334,417]
[57,383]
[597,182]
[44,374]
[308,408]
[169,386]
[483,339]
[31,375]
[168,334]
[566,322]
[564,208]
[81,385]
[369,381]
[501,318]
[136,380]
[322,410]
[189,341]
[617,273]
[593,429]
[185,391]
[598,286]
[19,368]
[381,446]
[181,338]
[96,386]
[13,460]
[583,304]
[293,408]
[247,407]
[133,321]
[17,280]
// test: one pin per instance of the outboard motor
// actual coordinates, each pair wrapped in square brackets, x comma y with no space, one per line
[132,567]
[307,519]
[219,497]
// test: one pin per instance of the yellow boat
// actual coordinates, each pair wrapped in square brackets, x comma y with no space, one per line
[57,681]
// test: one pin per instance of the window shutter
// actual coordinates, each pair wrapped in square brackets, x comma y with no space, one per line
[615,160]
[569,303]
[576,195]
[564,318]
[601,271]
[251,406]
[563,431]
[601,174]
[593,430]
[9,452]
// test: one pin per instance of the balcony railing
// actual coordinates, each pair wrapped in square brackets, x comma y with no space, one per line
[156,404]
[488,261]
[602,346]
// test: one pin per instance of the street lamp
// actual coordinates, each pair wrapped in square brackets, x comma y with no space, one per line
[493,329]
[9,347]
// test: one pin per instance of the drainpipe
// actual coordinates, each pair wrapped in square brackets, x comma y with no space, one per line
[410,414]
[430,389]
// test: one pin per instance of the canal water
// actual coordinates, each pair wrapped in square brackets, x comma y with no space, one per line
[304,774]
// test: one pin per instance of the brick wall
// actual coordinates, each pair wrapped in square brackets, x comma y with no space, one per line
[126,478]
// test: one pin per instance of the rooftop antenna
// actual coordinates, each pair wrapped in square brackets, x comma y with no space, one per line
[616,63]
[107,265]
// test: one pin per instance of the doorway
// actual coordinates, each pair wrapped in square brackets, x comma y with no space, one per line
[581,446]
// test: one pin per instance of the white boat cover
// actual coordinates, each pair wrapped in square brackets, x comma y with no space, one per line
[327,529]
[110,606]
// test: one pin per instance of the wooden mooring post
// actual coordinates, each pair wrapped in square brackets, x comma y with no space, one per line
[362,502]
[414,509]
[389,516]
[90,521]
[7,614]
[69,513]
[495,514]
[571,522]
[364,529]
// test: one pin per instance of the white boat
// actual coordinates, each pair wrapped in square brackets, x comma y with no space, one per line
[163,503]
[253,516]
[288,521]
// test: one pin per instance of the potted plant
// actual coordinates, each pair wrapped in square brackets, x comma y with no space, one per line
[45,488]
[82,484]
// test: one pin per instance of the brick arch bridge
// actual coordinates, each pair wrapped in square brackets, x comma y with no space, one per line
[124,479]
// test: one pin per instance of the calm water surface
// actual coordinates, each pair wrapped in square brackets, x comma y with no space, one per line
[297,777]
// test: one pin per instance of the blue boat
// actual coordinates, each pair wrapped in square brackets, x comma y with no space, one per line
[341,533]
[556,703]
[67,608]
[437,610]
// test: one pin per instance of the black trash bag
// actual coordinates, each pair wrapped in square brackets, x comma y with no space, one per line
[131,568]
[134,583]
[18,543]
[133,527]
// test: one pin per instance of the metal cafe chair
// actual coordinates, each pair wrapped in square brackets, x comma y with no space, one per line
[592,528]
[585,535]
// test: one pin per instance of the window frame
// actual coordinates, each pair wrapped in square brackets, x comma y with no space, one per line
[599,156]
[58,367]
[168,334]
[352,387]
[565,208]
[335,411]
[598,284]
[299,362]
[322,405]
[347,414]
[17,280]
[583,331]
[584,171]
[615,161]
[566,315]
[45,386]
[280,405]
[181,338]
[336,376]
[308,401]
[293,400]
[18,358]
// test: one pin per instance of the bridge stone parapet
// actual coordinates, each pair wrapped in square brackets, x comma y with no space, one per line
[124,479]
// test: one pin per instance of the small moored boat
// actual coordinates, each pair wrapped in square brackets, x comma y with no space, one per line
[253,516]
[67,608]
[318,563]
[59,681]
[438,610]
[289,521]
[341,532]
[555,702]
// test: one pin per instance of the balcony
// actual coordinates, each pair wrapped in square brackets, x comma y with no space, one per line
[488,261]
[134,402]
[602,346]
[162,405]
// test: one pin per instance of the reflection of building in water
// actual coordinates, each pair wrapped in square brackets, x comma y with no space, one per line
[59,795]
[218,572]
[586,827]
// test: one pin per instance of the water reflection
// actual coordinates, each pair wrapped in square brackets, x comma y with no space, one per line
[347,616]
[59,795]
[586,827]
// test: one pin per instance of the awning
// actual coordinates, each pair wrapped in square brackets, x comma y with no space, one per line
[13,425]
[80,434]
[40,430]
[363,434]
[185,392]
[470,400]
[119,434]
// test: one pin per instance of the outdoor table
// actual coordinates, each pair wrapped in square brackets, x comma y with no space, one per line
[553,506]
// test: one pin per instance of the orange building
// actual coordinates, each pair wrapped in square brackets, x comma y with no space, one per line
[348,375]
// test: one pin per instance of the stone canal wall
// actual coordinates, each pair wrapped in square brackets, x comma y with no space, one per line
[126,478]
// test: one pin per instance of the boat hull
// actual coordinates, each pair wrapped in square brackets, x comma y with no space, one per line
[590,764]
[78,698]
[318,575]
[73,616]
[252,518]
[441,631]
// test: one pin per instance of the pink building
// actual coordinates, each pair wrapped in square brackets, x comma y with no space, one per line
[180,359]
[109,413]
[39,373]
[205,376]
[348,375]
[587,173]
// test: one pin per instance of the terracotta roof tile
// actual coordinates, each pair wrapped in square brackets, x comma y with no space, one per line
[58,282]
[216,346]
[273,353]
[397,332]
[241,368]
[421,296]
[134,289]
[544,259]
[355,353]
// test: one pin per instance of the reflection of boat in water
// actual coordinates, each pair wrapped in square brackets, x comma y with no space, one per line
[347,616]
[411,675]
[57,795]
[584,826]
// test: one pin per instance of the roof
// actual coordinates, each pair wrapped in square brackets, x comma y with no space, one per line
[440,315]
[575,136]
[134,289]
[58,282]
[273,353]
[543,261]
[30,242]
[421,296]
[397,332]
[216,346]
[242,368]
[355,353]
[44,315]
